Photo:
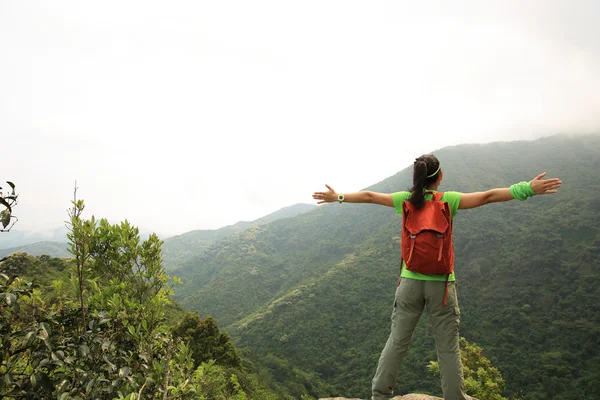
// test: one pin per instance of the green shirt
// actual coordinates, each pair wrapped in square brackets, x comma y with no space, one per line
[453,200]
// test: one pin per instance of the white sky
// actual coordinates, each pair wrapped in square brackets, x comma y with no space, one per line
[182,115]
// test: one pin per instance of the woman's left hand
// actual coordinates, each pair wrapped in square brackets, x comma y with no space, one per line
[545,186]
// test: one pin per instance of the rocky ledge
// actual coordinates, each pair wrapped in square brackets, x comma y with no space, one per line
[405,397]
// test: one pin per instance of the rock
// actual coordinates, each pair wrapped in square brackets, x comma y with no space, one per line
[412,396]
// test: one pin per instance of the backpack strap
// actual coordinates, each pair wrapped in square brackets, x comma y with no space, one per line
[401,261]
[438,197]
[445,302]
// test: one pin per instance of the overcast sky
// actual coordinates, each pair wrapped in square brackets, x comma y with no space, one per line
[182,115]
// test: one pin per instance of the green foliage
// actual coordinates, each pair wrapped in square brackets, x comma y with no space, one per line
[99,330]
[8,201]
[15,341]
[206,341]
[316,290]
[43,268]
[482,380]
[210,381]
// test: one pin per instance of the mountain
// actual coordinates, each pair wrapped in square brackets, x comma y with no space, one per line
[53,249]
[178,249]
[19,238]
[316,290]
[52,242]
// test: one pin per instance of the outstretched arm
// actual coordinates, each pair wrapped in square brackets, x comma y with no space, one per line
[331,195]
[538,186]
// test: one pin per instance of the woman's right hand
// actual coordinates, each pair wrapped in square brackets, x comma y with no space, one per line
[326,197]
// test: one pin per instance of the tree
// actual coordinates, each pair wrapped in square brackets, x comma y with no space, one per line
[81,236]
[119,343]
[482,380]
[206,341]
[100,332]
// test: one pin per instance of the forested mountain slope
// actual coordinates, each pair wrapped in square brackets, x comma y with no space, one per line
[317,289]
[178,249]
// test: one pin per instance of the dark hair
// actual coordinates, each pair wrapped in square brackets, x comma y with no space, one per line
[425,172]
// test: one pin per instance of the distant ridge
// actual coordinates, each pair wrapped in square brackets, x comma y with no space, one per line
[53,249]
[18,238]
[175,249]
[178,249]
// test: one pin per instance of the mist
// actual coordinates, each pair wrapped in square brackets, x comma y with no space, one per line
[197,115]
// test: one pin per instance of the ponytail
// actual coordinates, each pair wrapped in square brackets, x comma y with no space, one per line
[425,172]
[417,197]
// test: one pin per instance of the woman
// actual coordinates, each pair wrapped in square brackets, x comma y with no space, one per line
[437,292]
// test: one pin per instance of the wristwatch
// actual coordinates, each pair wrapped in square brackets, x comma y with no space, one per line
[341,197]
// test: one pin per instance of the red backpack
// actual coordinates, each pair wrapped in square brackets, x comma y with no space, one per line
[427,238]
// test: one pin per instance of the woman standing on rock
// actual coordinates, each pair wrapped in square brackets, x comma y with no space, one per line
[427,276]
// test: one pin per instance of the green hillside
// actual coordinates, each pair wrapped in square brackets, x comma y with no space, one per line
[180,248]
[53,249]
[42,270]
[44,354]
[317,289]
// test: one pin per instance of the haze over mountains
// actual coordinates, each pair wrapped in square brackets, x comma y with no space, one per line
[21,238]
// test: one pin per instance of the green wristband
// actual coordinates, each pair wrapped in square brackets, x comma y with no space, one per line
[522,190]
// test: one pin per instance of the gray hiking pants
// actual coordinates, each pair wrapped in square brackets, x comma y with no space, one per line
[411,298]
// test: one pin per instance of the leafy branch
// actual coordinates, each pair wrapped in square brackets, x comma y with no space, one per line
[9,202]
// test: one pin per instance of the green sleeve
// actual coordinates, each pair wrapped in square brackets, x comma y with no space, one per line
[399,198]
